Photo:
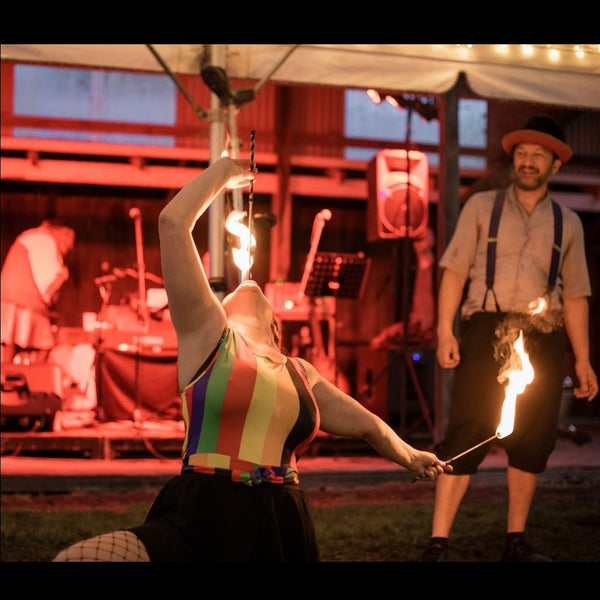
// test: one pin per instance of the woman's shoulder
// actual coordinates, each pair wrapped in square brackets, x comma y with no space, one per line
[193,359]
[310,372]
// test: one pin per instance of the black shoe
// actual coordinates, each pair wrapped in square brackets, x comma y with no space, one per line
[518,550]
[435,552]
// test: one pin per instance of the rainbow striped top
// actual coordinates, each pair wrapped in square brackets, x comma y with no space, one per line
[247,417]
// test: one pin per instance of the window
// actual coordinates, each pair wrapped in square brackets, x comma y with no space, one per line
[58,92]
[367,120]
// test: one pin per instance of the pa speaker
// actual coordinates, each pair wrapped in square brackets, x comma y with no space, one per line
[398,195]
[372,381]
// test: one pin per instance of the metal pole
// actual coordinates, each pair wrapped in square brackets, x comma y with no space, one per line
[234,152]
[447,215]
[216,212]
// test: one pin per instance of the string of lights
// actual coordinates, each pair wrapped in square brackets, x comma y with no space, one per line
[555,53]
[546,56]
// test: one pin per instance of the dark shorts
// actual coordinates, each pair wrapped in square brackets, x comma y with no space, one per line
[477,398]
[209,518]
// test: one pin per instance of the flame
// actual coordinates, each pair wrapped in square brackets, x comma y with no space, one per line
[519,374]
[242,256]
[537,306]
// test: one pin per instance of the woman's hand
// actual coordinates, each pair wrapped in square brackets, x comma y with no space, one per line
[241,173]
[426,465]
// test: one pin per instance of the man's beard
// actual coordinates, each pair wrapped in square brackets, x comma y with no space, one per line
[537,182]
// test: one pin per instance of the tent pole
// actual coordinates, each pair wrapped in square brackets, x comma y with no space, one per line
[216,211]
[447,215]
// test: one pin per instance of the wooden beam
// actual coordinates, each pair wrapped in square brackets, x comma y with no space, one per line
[151,167]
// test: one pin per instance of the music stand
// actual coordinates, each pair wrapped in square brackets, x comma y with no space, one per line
[335,275]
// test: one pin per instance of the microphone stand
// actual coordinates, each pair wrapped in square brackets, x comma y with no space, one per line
[405,283]
[136,215]
[325,359]
[318,225]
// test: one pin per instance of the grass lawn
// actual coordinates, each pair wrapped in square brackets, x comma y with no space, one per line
[377,524]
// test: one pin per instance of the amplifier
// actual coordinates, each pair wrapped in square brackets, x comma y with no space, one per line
[37,378]
[153,342]
[30,396]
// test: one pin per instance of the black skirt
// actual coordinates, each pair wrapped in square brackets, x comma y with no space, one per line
[209,518]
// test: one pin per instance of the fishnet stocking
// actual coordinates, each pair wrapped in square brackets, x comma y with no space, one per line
[116,546]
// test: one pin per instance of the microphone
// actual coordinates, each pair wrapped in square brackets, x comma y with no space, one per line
[324,214]
[135,213]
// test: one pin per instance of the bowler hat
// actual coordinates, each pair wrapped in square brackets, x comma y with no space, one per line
[539,130]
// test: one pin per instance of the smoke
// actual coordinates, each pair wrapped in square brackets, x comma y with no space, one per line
[508,332]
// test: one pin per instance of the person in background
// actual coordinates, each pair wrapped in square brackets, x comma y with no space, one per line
[250,412]
[32,274]
[539,253]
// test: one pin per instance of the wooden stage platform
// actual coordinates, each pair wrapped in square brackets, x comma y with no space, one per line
[126,439]
[148,439]
[99,440]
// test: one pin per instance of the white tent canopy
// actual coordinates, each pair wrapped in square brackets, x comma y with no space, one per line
[558,74]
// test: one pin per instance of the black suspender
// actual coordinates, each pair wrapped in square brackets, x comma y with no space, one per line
[558,231]
[493,242]
[491,249]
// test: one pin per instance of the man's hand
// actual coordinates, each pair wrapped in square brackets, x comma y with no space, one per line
[448,354]
[588,382]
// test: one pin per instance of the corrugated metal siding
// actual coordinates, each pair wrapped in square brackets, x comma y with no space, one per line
[583,135]
[316,114]
[318,121]
[259,114]
[195,129]
[7,92]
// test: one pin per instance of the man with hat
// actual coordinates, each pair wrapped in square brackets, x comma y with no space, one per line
[515,250]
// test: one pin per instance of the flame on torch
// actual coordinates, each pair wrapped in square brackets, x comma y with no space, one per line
[242,256]
[537,306]
[519,374]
